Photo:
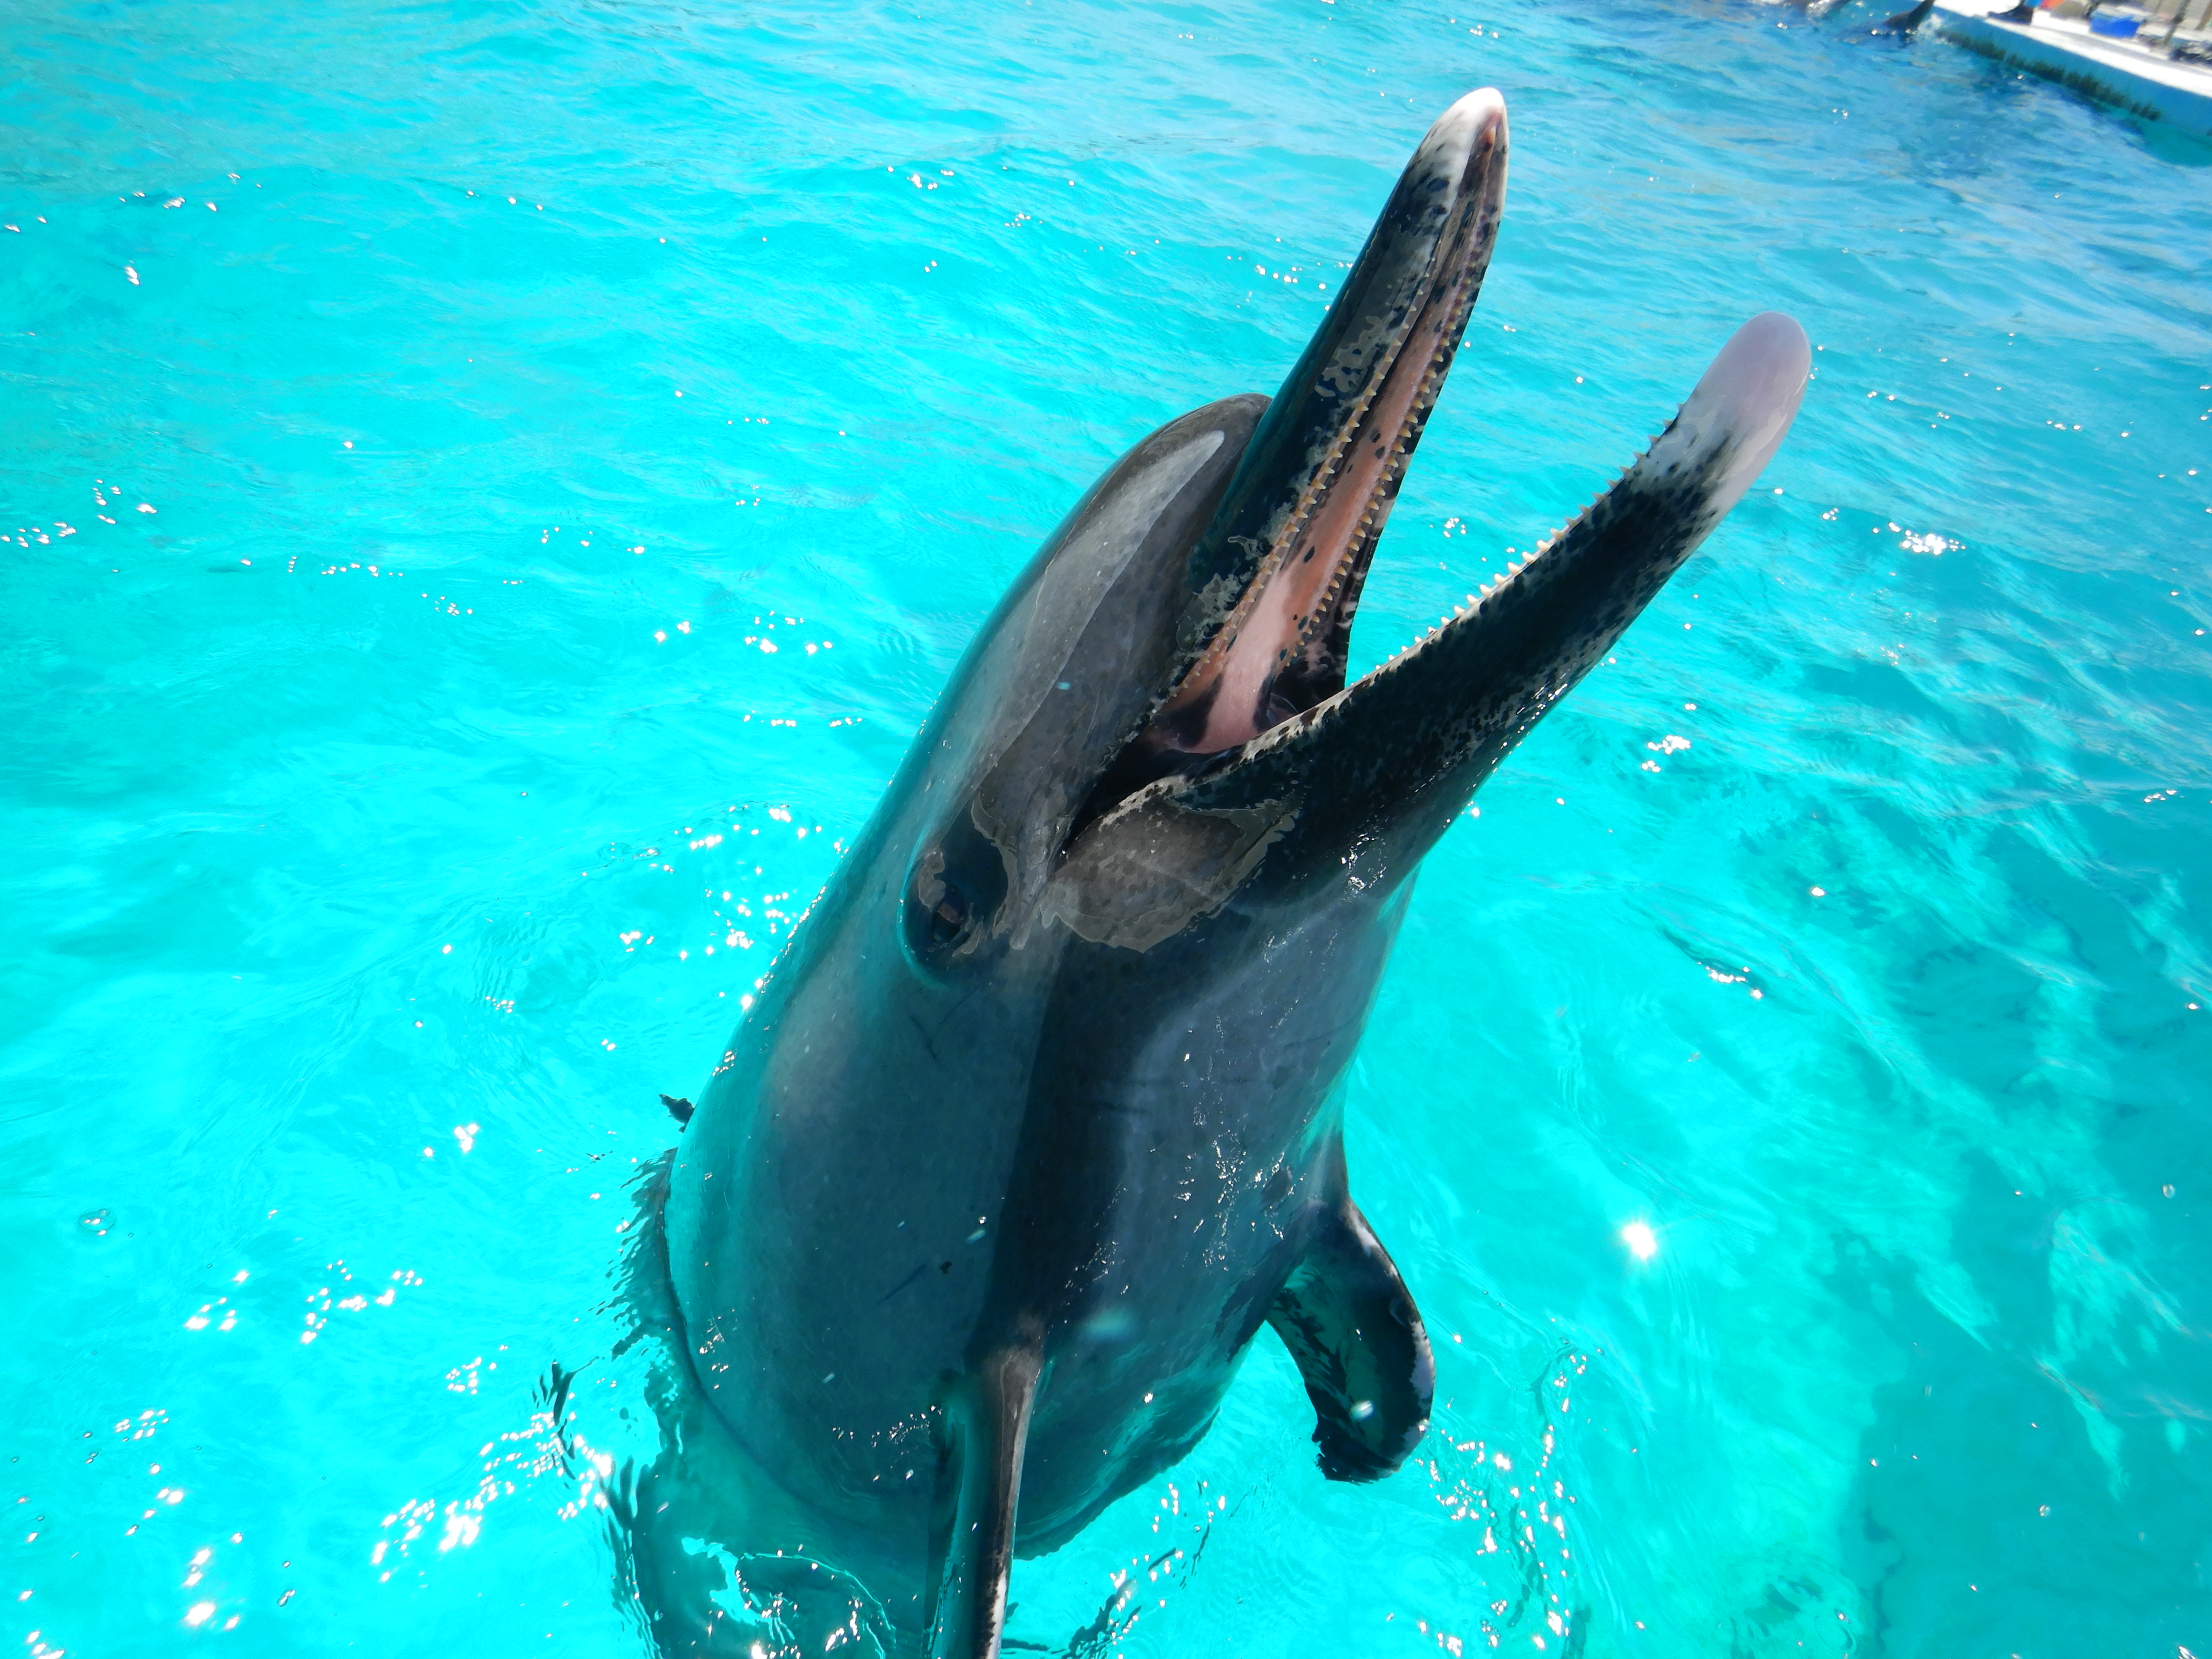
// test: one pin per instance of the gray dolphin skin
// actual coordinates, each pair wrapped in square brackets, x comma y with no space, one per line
[1038,1120]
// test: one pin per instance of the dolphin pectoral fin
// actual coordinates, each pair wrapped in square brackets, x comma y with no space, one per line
[1347,1320]
[979,1484]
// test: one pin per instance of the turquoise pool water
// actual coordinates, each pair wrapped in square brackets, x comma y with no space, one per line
[462,458]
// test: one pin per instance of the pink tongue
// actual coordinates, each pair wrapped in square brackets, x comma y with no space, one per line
[1299,597]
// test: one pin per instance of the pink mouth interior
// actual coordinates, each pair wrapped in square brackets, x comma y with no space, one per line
[1295,615]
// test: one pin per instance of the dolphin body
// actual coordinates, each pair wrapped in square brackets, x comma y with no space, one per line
[1037,1120]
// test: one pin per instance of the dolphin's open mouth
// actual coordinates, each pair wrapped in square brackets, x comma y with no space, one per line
[1260,712]
[1295,533]
[1278,575]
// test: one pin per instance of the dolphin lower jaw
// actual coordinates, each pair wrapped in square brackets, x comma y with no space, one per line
[1402,750]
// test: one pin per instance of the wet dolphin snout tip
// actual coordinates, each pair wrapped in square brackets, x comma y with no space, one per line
[1474,125]
[1482,112]
[1761,372]
[1748,396]
[1725,433]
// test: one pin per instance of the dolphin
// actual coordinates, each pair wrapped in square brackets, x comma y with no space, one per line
[1037,1120]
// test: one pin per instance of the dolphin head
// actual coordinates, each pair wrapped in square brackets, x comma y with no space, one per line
[1201,593]
[1158,716]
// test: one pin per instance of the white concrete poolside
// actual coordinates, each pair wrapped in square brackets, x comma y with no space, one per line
[2140,79]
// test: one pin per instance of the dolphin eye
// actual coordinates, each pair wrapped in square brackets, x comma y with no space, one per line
[956,891]
[948,919]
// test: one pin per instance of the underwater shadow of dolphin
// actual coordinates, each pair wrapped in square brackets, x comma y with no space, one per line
[1037,1120]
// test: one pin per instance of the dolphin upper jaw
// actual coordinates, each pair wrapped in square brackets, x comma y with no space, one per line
[1277,576]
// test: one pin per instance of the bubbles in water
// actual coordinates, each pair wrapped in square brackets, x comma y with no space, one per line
[96,1221]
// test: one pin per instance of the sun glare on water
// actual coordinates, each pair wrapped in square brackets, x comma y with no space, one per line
[1642,1242]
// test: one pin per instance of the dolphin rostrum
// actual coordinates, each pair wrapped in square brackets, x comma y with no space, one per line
[1037,1120]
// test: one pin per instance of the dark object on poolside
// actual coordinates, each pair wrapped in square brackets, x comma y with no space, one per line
[1037,1120]
[679,1110]
[1906,21]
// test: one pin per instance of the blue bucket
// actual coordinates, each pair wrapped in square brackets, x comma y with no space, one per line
[2122,27]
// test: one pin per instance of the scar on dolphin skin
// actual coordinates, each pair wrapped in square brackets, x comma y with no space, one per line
[1067,1022]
